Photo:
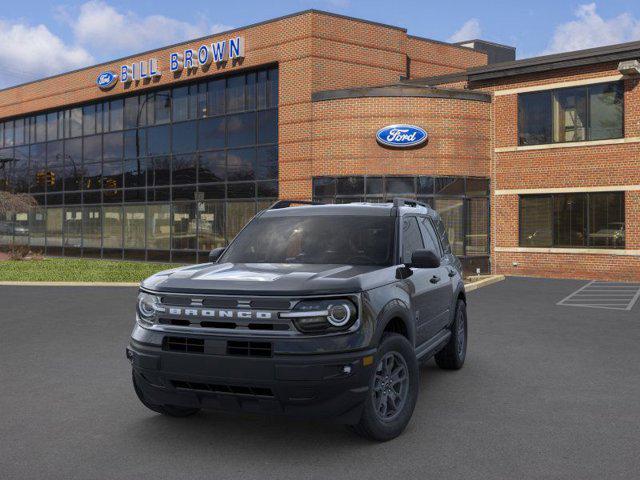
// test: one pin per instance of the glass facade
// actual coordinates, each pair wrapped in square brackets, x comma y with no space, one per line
[161,175]
[463,203]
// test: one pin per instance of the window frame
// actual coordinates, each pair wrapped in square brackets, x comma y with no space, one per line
[552,92]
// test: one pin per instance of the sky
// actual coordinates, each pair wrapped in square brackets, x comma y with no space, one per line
[39,38]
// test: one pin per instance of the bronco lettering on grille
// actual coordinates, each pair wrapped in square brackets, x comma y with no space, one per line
[202,312]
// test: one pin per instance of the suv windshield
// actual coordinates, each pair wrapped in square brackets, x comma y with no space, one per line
[317,239]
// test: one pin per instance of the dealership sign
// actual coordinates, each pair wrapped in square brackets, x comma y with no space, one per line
[106,80]
[189,59]
[401,136]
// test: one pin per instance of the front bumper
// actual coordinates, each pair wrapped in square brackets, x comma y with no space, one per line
[319,385]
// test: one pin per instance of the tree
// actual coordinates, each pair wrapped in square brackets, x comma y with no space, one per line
[16,202]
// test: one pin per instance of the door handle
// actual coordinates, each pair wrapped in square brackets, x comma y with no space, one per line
[435,279]
[452,273]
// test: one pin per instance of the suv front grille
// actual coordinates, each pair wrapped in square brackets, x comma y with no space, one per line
[249,349]
[183,344]
[229,389]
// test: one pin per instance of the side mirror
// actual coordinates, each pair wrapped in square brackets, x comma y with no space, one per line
[215,254]
[425,259]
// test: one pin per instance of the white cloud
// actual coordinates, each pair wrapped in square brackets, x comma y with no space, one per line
[107,31]
[469,31]
[29,52]
[591,30]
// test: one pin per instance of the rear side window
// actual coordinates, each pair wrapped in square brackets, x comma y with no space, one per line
[441,231]
[429,235]
[411,238]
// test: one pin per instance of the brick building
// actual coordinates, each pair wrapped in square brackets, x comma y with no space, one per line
[166,154]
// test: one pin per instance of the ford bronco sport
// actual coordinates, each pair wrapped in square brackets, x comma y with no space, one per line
[312,310]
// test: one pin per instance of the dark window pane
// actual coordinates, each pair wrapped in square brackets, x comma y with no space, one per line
[606,220]
[92,173]
[89,115]
[449,186]
[158,194]
[102,119]
[183,193]
[135,195]
[215,97]
[211,133]
[250,89]
[92,197]
[184,137]
[324,187]
[41,128]
[267,164]
[374,186]
[570,115]
[158,171]
[37,168]
[201,101]
[180,104]
[134,173]
[261,89]
[135,143]
[92,149]
[536,221]
[400,185]
[75,122]
[112,175]
[273,87]
[606,111]
[55,172]
[570,220]
[425,185]
[19,132]
[21,169]
[350,186]
[158,140]
[241,190]
[268,189]
[212,191]
[477,186]
[162,106]
[112,196]
[112,146]
[241,129]
[131,112]
[268,126]
[184,169]
[235,93]
[116,120]
[534,118]
[211,167]
[52,126]
[241,164]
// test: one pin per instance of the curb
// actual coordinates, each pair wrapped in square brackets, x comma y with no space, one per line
[70,284]
[484,282]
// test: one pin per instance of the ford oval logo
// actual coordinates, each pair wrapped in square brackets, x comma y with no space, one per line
[106,80]
[401,136]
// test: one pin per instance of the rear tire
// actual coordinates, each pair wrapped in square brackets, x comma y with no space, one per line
[452,356]
[169,410]
[393,390]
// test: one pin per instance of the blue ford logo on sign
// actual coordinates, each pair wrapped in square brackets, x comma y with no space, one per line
[106,80]
[401,136]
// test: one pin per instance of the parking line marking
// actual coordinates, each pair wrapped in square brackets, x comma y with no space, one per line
[612,296]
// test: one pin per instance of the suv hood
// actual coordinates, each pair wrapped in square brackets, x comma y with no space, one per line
[270,279]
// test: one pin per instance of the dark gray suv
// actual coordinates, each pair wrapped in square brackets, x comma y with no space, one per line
[312,310]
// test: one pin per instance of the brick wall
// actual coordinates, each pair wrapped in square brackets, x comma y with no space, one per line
[564,167]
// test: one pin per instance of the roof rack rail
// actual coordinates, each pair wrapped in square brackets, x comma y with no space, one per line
[288,203]
[401,202]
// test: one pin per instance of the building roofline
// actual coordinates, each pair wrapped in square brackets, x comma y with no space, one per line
[440,42]
[435,79]
[496,44]
[400,90]
[226,32]
[608,53]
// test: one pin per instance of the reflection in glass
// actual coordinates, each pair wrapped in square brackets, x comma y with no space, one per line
[92,227]
[112,235]
[184,226]
[210,225]
[452,213]
[158,226]
[134,225]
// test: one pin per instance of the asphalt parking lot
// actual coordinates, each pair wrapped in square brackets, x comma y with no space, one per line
[547,392]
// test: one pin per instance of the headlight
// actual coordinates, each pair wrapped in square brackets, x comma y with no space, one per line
[323,316]
[148,307]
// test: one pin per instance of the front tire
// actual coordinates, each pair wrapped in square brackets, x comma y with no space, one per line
[452,356]
[393,390]
[169,410]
